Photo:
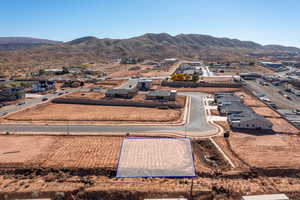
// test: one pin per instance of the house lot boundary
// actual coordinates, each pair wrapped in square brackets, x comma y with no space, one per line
[156,157]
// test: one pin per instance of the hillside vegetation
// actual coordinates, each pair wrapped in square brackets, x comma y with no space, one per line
[152,46]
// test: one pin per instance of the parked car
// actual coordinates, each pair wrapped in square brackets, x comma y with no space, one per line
[44,99]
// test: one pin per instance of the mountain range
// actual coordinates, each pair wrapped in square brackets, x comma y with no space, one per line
[14,43]
[152,46]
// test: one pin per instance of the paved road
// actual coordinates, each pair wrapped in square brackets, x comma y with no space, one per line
[33,102]
[197,125]
[272,93]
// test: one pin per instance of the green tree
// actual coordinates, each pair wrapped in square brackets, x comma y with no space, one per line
[195,77]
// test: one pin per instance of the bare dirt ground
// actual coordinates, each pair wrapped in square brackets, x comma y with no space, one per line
[245,69]
[22,150]
[59,151]
[215,112]
[106,84]
[266,111]
[144,71]
[262,151]
[51,112]
[281,125]
[249,99]
[218,79]
[225,184]
[180,100]
[84,152]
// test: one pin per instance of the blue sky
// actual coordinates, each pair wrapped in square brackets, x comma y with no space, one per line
[263,21]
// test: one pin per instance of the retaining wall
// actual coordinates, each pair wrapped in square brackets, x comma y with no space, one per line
[116,103]
[195,85]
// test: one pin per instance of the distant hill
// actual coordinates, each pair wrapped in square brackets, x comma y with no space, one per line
[14,43]
[164,45]
[148,46]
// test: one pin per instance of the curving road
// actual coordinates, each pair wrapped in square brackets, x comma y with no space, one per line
[196,126]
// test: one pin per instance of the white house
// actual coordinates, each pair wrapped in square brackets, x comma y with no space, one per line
[249,120]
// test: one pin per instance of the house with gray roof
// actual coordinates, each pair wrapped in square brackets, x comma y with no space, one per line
[11,94]
[144,84]
[121,93]
[249,120]
[233,108]
[227,100]
[167,95]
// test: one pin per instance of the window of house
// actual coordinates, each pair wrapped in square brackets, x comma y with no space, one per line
[247,125]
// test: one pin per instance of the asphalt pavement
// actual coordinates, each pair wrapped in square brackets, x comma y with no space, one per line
[196,126]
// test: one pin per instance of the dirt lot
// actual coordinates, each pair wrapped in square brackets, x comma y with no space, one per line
[267,150]
[106,84]
[249,99]
[210,183]
[84,152]
[94,114]
[281,125]
[59,151]
[265,111]
[23,149]
[218,79]
[243,69]
[144,71]
[264,149]
[180,100]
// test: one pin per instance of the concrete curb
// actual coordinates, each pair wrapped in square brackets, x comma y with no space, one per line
[185,119]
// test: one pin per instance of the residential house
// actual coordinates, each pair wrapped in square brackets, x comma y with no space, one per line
[249,120]
[54,71]
[218,95]
[227,100]
[144,84]
[233,108]
[167,95]
[121,93]
[11,94]
[43,85]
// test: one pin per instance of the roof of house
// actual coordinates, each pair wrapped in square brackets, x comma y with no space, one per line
[234,107]
[248,116]
[224,94]
[266,197]
[188,71]
[228,98]
[161,93]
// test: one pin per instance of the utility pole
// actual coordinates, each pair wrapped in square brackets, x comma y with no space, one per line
[191,190]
